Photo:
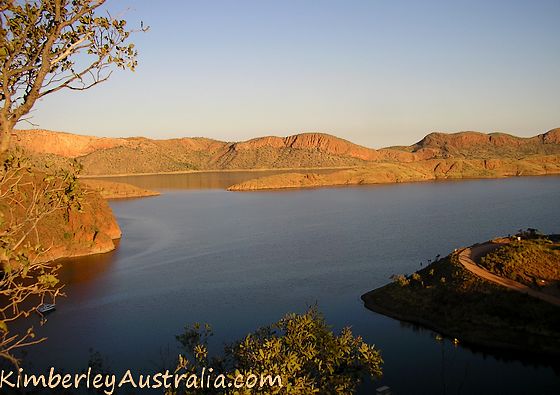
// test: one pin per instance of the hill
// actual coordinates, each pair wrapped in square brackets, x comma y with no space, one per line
[142,155]
[475,145]
[100,156]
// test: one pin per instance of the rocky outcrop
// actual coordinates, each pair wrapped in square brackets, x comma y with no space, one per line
[551,137]
[61,231]
[91,231]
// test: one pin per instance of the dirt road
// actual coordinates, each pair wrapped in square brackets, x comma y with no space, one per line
[469,256]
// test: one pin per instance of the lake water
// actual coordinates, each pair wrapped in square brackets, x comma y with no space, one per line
[242,260]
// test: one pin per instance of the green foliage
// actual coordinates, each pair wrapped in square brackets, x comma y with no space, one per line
[529,233]
[301,349]
[416,277]
[400,279]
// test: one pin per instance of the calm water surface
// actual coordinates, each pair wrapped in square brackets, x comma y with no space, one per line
[242,260]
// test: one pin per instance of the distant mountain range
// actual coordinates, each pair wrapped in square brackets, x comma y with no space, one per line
[111,156]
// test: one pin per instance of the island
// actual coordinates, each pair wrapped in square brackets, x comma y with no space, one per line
[502,294]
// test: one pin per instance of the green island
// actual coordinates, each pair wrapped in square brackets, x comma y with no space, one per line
[502,294]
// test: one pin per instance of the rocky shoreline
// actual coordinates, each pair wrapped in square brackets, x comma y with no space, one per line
[93,230]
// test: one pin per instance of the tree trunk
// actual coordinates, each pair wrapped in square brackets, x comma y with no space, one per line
[5,134]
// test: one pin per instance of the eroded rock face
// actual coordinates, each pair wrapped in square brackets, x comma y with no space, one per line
[66,232]
[321,142]
[92,231]
[330,144]
[552,136]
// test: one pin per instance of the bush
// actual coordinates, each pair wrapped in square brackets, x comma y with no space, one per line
[400,279]
[301,349]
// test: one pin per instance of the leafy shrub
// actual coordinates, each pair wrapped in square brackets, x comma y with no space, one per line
[400,279]
[301,349]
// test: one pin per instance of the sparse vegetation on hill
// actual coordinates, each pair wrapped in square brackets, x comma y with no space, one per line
[534,262]
[467,154]
[475,145]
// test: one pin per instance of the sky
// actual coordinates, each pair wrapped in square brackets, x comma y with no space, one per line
[376,72]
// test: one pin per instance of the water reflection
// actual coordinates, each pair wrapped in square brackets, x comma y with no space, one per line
[525,357]
[202,180]
[85,269]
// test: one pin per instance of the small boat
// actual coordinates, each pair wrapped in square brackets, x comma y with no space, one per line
[46,308]
[385,390]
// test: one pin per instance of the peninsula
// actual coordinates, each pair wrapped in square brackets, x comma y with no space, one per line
[504,293]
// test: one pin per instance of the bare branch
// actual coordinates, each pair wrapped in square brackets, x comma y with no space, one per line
[26,199]
[52,45]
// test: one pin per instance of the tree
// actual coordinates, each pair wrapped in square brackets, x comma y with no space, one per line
[302,349]
[28,197]
[49,45]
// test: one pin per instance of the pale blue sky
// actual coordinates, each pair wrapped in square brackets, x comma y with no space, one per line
[375,72]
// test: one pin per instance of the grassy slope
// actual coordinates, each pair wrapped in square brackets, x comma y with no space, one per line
[449,299]
[527,261]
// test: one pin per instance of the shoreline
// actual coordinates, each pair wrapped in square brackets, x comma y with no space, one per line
[179,172]
[465,339]
[343,185]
